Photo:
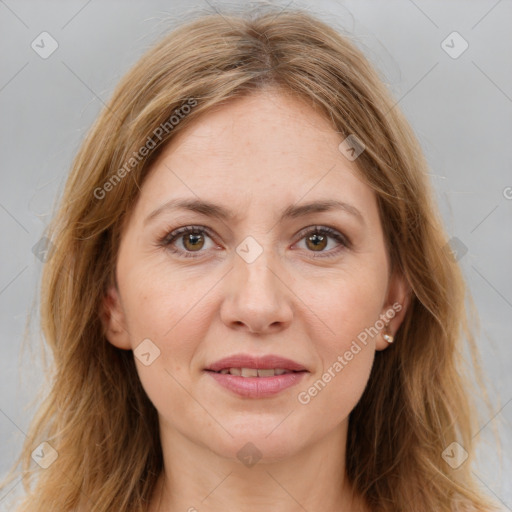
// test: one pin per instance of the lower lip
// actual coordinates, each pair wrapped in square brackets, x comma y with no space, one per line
[257,387]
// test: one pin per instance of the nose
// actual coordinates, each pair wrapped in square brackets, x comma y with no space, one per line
[257,296]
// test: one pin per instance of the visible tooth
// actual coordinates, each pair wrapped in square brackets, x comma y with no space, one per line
[266,373]
[249,372]
[254,372]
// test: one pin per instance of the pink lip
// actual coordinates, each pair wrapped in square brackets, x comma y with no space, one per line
[262,362]
[257,387]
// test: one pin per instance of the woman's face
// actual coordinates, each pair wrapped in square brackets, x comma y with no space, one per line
[253,278]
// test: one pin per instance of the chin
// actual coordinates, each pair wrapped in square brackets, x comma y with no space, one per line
[267,441]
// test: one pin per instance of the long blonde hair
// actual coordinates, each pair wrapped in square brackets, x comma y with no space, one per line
[97,416]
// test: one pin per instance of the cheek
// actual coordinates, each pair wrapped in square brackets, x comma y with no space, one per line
[346,361]
[175,334]
[347,302]
[160,304]
[171,310]
[350,307]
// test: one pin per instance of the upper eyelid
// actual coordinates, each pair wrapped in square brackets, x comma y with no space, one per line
[319,227]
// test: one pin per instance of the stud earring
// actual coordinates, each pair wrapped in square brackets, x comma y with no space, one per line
[388,337]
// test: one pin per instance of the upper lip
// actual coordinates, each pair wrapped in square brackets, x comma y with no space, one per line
[261,362]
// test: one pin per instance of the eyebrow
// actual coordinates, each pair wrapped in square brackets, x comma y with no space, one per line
[210,209]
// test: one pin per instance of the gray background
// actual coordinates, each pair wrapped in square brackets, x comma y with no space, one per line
[460,109]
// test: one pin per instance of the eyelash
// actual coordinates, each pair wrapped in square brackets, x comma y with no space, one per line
[167,240]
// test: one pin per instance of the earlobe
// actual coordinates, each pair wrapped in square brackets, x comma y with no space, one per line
[113,320]
[394,310]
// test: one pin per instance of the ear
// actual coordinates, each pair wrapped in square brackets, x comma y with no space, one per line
[394,309]
[114,320]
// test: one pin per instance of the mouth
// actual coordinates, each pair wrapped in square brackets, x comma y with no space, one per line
[255,372]
[248,365]
[256,376]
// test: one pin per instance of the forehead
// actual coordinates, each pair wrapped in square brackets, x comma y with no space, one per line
[259,149]
[259,128]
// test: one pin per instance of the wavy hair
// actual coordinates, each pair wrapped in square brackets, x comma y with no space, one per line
[96,414]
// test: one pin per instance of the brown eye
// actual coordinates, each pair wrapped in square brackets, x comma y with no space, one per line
[189,241]
[193,241]
[316,242]
[317,239]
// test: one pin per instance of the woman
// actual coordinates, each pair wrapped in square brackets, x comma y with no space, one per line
[250,300]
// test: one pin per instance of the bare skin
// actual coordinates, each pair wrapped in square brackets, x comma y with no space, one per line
[298,299]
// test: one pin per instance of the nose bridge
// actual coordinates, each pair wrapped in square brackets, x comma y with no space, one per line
[257,296]
[256,264]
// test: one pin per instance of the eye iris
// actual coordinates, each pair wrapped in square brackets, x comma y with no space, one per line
[314,238]
[193,238]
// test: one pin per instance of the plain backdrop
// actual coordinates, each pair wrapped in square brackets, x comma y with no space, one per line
[458,102]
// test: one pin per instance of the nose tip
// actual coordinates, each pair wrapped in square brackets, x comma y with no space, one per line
[258,325]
